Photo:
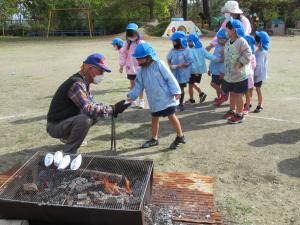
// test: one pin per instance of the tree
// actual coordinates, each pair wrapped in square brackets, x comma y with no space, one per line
[7,8]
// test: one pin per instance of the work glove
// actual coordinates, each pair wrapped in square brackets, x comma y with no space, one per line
[120,107]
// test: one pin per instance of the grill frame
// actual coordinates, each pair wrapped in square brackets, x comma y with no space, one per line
[51,213]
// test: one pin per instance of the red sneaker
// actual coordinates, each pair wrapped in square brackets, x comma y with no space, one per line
[246,110]
[236,119]
[229,114]
[221,100]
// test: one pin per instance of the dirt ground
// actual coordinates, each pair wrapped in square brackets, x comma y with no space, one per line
[255,165]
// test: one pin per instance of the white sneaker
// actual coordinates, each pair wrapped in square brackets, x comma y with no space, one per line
[141,104]
[133,104]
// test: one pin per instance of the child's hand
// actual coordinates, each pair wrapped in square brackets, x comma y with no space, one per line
[173,67]
[209,73]
[121,69]
[177,97]
[183,65]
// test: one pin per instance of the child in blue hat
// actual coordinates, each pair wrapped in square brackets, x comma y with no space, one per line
[162,91]
[133,38]
[237,55]
[216,69]
[117,43]
[199,54]
[247,105]
[262,40]
[180,61]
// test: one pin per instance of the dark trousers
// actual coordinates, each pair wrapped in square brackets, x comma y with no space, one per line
[72,130]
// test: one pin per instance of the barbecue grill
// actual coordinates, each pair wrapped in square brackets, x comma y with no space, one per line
[104,191]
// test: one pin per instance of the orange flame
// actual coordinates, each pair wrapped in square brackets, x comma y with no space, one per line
[127,185]
[111,187]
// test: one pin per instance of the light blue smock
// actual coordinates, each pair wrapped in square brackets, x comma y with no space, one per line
[217,68]
[199,55]
[260,72]
[160,86]
[181,56]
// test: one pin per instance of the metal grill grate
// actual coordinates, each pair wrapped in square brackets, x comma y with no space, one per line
[101,183]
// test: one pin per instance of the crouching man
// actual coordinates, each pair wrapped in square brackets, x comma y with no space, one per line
[73,110]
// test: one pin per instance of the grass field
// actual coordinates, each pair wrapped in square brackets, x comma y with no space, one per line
[255,165]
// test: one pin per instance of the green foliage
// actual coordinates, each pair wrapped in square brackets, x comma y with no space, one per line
[113,15]
[158,30]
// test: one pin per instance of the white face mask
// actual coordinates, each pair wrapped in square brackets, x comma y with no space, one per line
[227,16]
[132,39]
[227,35]
[98,79]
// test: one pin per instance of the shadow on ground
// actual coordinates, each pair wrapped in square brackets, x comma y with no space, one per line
[290,167]
[29,120]
[285,137]
[192,122]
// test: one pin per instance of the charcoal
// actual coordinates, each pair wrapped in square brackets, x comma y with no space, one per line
[30,188]
[83,187]
[82,196]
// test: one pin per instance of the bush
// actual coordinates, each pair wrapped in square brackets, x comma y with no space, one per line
[158,30]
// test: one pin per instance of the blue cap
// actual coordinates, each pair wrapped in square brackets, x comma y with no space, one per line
[132,26]
[222,34]
[97,60]
[238,26]
[144,49]
[118,41]
[177,35]
[264,39]
[180,35]
[195,39]
[251,42]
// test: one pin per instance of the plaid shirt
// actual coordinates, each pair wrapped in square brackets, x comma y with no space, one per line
[80,94]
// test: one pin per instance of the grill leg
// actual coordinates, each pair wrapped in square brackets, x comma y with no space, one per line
[113,144]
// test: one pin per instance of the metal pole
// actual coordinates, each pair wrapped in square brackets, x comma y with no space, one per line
[113,142]
[49,22]
[89,22]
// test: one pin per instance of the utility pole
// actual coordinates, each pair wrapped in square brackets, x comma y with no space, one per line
[206,10]
[184,9]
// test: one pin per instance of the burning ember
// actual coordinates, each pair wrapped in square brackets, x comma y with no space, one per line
[112,190]
[83,187]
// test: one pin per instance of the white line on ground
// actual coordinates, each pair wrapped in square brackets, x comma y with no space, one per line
[265,118]
[211,111]
[20,115]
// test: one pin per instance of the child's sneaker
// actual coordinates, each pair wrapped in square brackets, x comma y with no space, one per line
[133,104]
[236,119]
[152,142]
[192,101]
[141,104]
[258,109]
[221,100]
[229,114]
[177,141]
[180,107]
[202,97]
[246,110]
